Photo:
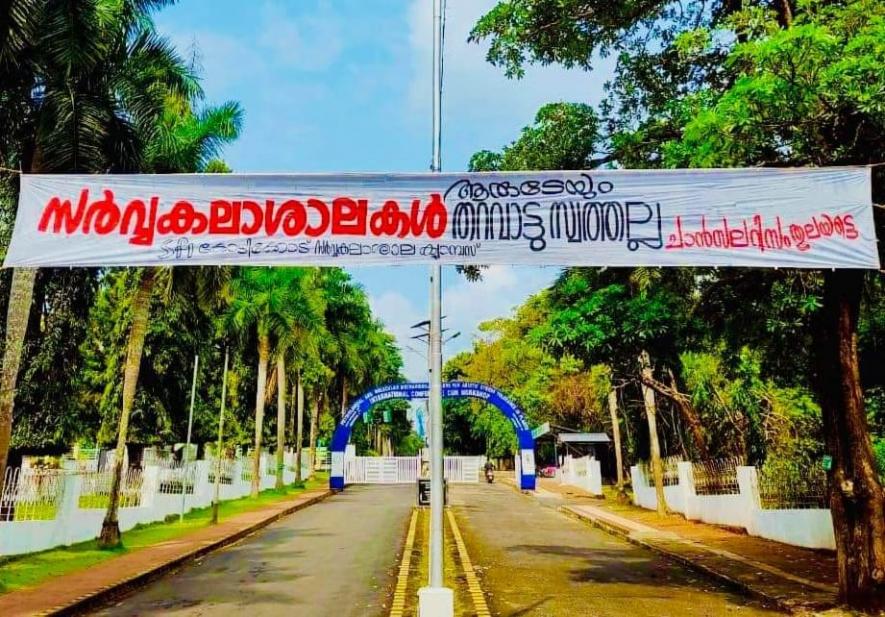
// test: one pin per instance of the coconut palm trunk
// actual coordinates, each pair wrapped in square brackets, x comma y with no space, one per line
[17,315]
[110,528]
[651,412]
[263,356]
[299,430]
[343,396]
[616,435]
[281,420]
[314,427]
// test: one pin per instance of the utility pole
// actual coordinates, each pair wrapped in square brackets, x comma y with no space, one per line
[187,447]
[435,600]
[217,499]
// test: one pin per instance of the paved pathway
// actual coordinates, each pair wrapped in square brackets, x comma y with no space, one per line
[533,560]
[336,558]
[66,592]
[790,576]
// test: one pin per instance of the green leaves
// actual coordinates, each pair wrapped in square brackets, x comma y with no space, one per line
[564,136]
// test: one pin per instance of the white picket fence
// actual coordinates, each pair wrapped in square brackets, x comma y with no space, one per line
[406,469]
[42,509]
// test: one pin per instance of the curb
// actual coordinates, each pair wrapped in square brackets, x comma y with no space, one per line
[730,582]
[103,596]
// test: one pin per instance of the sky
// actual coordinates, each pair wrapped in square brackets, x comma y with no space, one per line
[345,85]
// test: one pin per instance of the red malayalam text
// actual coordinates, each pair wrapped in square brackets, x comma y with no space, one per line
[754,233]
[140,220]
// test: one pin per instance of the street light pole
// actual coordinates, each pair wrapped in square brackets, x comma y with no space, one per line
[435,600]
[216,500]
[187,447]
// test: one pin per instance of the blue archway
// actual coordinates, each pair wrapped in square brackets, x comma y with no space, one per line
[450,389]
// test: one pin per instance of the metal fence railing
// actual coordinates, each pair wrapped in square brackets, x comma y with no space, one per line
[31,494]
[717,477]
[671,470]
[226,468]
[95,489]
[177,478]
[782,490]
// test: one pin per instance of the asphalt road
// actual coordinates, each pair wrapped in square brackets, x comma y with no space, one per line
[533,560]
[336,558]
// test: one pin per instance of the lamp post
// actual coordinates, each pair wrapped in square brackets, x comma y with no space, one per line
[435,600]
[216,499]
[187,447]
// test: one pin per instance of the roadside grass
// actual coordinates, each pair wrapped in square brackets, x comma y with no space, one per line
[23,571]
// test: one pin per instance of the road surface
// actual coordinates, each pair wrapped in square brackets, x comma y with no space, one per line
[533,560]
[337,558]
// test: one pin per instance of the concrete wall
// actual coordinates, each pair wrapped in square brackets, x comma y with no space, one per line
[812,528]
[584,473]
[74,524]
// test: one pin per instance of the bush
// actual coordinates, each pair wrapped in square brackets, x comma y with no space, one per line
[879,452]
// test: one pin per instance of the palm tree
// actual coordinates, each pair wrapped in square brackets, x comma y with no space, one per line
[80,82]
[181,141]
[271,303]
[347,319]
[300,342]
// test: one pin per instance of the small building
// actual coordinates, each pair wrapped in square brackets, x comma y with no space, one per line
[553,443]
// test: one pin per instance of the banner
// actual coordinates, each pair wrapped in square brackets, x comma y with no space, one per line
[798,218]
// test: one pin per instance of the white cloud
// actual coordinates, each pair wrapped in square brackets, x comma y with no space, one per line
[398,314]
[500,291]
[465,306]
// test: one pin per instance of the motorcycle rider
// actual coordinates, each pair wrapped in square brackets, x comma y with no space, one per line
[489,471]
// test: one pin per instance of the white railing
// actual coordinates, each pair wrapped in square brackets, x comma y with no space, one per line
[30,494]
[463,469]
[41,509]
[381,469]
[95,489]
[406,469]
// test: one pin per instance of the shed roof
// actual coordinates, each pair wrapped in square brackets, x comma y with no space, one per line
[583,438]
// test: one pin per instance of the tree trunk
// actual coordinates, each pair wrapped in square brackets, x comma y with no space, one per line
[689,414]
[651,412]
[110,528]
[343,397]
[299,429]
[293,397]
[21,295]
[263,355]
[616,435]
[784,13]
[314,427]
[857,503]
[281,420]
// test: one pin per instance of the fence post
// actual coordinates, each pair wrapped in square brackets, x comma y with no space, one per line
[637,479]
[748,485]
[594,477]
[685,469]
[67,515]
[202,487]
[150,486]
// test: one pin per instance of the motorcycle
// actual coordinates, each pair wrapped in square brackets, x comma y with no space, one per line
[490,475]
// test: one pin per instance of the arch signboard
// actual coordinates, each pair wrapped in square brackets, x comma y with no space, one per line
[450,389]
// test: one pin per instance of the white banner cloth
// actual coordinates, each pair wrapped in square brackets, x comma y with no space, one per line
[798,218]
